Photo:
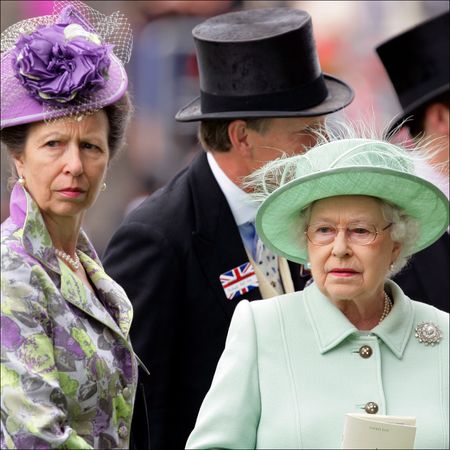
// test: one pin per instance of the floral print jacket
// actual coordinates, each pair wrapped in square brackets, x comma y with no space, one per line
[68,371]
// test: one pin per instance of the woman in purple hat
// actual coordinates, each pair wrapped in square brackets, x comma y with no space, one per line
[68,369]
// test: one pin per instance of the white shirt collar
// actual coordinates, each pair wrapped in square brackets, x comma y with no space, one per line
[242,206]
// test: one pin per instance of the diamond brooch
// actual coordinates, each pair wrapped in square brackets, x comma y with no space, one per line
[428,333]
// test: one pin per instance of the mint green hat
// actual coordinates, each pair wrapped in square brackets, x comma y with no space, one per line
[343,167]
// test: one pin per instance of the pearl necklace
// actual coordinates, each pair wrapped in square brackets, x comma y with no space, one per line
[387,307]
[74,263]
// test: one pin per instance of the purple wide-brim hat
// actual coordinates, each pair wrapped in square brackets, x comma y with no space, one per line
[66,64]
[19,107]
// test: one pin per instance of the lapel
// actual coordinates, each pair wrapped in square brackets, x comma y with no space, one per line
[74,292]
[114,310]
[113,298]
[111,308]
[215,238]
[331,327]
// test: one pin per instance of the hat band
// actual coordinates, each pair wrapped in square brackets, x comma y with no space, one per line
[302,97]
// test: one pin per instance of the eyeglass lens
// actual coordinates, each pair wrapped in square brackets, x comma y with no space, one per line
[358,233]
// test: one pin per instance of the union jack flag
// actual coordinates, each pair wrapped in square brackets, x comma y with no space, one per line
[239,281]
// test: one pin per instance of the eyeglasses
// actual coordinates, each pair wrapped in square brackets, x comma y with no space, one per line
[357,233]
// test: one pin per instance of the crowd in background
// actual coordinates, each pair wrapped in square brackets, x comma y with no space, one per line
[163,77]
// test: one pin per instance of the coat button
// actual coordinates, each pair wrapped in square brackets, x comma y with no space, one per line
[123,431]
[371,408]
[365,351]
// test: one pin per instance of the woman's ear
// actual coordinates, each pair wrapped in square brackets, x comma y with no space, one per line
[395,251]
[18,163]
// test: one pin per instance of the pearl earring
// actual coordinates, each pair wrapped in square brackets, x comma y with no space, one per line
[391,267]
[21,180]
[103,188]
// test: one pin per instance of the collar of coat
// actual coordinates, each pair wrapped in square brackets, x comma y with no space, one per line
[36,240]
[331,327]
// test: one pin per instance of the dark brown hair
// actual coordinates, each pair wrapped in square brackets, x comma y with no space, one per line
[119,114]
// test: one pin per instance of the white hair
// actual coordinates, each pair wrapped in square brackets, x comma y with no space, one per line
[405,230]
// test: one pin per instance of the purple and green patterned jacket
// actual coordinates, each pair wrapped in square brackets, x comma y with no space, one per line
[68,371]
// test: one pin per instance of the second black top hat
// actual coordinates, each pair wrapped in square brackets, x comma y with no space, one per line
[261,63]
[417,63]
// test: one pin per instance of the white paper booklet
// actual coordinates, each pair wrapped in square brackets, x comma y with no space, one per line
[366,431]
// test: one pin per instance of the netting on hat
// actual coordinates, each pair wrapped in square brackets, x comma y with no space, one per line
[113,31]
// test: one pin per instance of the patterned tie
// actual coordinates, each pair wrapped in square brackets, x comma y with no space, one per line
[267,260]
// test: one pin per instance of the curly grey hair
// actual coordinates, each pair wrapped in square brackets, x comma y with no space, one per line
[404,230]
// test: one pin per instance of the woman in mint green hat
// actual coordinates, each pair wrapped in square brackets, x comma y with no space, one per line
[352,341]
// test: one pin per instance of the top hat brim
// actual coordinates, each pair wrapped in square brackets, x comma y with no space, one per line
[411,109]
[339,96]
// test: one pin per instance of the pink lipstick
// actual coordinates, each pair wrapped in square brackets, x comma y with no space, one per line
[71,192]
[343,272]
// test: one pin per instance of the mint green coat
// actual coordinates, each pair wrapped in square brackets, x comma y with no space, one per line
[291,370]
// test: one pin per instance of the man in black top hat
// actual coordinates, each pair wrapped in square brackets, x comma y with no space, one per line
[417,62]
[189,253]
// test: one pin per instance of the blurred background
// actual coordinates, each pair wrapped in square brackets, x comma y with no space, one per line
[163,78]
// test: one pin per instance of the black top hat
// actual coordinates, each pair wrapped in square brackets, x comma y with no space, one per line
[261,63]
[417,64]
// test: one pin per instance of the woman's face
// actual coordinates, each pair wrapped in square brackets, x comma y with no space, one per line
[342,269]
[64,164]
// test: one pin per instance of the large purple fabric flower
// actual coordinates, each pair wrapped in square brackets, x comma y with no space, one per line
[60,62]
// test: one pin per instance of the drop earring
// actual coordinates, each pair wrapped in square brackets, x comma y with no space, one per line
[391,267]
[103,188]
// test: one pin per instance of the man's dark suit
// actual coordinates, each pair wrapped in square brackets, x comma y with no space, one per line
[168,256]
[426,278]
